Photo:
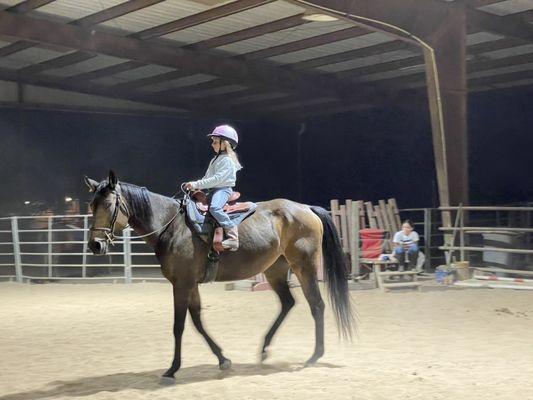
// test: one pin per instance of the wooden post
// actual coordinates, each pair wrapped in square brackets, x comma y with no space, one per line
[349,205]
[354,240]
[396,212]
[371,216]
[361,208]
[344,229]
[386,223]
[379,219]
[334,204]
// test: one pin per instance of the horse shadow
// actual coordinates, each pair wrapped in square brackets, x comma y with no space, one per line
[149,381]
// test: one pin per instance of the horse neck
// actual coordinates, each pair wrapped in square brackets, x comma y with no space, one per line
[163,209]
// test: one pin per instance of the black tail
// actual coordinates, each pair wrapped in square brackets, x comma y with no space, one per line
[337,270]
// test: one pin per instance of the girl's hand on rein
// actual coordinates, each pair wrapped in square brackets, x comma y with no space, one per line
[188,186]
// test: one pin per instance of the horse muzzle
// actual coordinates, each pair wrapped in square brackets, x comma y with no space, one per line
[98,246]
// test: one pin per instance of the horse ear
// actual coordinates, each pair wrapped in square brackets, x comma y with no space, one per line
[113,180]
[91,183]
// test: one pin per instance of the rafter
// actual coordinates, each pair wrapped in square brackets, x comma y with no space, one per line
[27,6]
[22,8]
[218,41]
[350,55]
[96,18]
[160,54]
[418,60]
[152,80]
[501,78]
[249,33]
[111,70]
[115,12]
[511,26]
[57,62]
[101,90]
[183,23]
[305,43]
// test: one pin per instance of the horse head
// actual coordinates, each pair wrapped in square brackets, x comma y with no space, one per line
[110,212]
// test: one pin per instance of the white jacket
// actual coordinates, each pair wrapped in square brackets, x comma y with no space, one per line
[222,172]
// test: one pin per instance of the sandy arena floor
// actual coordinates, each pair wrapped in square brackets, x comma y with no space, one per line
[104,341]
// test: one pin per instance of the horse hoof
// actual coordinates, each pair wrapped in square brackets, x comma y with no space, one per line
[310,363]
[167,380]
[264,355]
[224,365]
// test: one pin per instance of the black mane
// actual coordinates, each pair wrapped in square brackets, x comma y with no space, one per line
[138,201]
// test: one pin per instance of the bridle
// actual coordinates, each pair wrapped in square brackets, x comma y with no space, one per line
[120,205]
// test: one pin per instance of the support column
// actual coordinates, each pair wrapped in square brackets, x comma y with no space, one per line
[447,92]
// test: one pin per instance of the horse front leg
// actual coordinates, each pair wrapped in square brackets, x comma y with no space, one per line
[195,308]
[181,299]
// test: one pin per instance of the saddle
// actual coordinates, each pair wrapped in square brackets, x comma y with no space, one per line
[200,199]
[231,207]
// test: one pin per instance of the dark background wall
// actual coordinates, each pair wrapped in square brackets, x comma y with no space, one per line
[370,155]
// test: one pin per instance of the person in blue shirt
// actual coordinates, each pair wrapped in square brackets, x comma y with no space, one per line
[220,178]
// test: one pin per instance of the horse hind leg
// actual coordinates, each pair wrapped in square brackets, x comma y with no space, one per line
[276,275]
[305,267]
[195,309]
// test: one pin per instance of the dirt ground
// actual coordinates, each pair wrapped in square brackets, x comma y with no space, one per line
[105,341]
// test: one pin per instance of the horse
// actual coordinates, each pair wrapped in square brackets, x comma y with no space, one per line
[279,235]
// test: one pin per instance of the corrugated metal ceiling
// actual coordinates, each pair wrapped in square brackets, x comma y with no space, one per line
[9,3]
[508,7]
[180,82]
[27,57]
[284,36]
[340,46]
[370,60]
[157,14]
[172,10]
[69,10]
[233,23]
[91,64]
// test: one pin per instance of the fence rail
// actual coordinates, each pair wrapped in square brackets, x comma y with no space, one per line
[507,242]
[54,247]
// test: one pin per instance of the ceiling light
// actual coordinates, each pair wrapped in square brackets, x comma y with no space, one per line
[319,18]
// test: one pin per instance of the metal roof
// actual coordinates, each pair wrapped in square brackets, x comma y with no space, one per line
[263,37]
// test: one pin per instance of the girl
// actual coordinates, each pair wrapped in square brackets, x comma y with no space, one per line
[406,241]
[220,178]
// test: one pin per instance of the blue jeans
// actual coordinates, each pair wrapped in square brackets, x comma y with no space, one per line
[218,199]
[412,250]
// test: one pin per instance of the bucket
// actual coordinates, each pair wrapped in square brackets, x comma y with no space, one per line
[441,276]
[444,275]
[462,270]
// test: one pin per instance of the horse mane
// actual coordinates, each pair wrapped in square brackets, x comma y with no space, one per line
[138,201]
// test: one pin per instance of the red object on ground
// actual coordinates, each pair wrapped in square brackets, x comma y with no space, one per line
[371,242]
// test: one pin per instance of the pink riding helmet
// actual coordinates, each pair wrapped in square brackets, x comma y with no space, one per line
[226,132]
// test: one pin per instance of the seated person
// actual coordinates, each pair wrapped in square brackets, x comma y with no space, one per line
[406,241]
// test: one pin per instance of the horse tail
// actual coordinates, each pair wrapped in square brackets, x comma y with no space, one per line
[337,270]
